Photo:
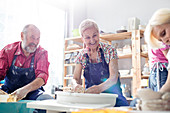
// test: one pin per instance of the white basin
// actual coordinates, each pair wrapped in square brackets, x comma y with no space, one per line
[86,98]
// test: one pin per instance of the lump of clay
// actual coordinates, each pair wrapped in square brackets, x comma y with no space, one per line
[148,94]
[153,101]
[166,96]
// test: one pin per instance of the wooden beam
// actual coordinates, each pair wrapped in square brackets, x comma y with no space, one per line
[136,62]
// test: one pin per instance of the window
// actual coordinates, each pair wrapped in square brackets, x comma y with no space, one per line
[14,15]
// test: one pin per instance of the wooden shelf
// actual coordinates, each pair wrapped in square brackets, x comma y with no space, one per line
[145,76]
[107,37]
[127,76]
[144,54]
[125,56]
[130,76]
[118,36]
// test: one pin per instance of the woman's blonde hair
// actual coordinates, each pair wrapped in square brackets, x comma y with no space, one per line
[160,17]
[85,24]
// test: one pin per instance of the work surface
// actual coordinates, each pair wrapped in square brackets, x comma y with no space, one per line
[53,107]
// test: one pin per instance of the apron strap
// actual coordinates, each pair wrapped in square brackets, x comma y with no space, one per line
[102,57]
[87,61]
[158,83]
[32,62]
[14,59]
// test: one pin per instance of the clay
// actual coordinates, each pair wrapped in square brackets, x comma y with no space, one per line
[153,101]
[148,94]
[155,105]
[166,96]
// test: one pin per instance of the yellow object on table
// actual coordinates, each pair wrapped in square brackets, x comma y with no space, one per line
[12,98]
[100,111]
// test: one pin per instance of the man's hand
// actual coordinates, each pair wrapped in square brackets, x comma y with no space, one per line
[94,89]
[23,91]
[20,93]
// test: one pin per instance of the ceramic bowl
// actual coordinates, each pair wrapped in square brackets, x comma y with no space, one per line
[86,98]
[123,72]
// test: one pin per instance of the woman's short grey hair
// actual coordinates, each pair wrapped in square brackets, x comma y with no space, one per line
[85,24]
[160,17]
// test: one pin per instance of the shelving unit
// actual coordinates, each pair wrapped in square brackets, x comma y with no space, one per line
[136,55]
[67,76]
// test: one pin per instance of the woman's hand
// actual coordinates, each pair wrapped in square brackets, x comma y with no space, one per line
[94,89]
[78,89]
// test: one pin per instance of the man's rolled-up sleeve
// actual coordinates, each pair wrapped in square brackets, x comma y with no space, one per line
[3,64]
[42,66]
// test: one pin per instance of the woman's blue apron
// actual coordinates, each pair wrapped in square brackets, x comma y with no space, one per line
[97,73]
[18,77]
[158,76]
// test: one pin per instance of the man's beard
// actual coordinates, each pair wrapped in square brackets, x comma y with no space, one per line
[27,48]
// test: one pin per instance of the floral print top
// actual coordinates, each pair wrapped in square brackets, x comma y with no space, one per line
[108,50]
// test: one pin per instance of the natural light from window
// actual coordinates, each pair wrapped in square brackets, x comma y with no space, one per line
[15,14]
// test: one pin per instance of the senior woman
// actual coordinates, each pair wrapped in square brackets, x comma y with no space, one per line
[99,62]
[157,35]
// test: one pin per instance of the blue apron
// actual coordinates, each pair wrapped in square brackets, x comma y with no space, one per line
[163,74]
[97,73]
[18,77]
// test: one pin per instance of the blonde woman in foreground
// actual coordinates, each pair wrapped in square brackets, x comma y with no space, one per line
[157,35]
